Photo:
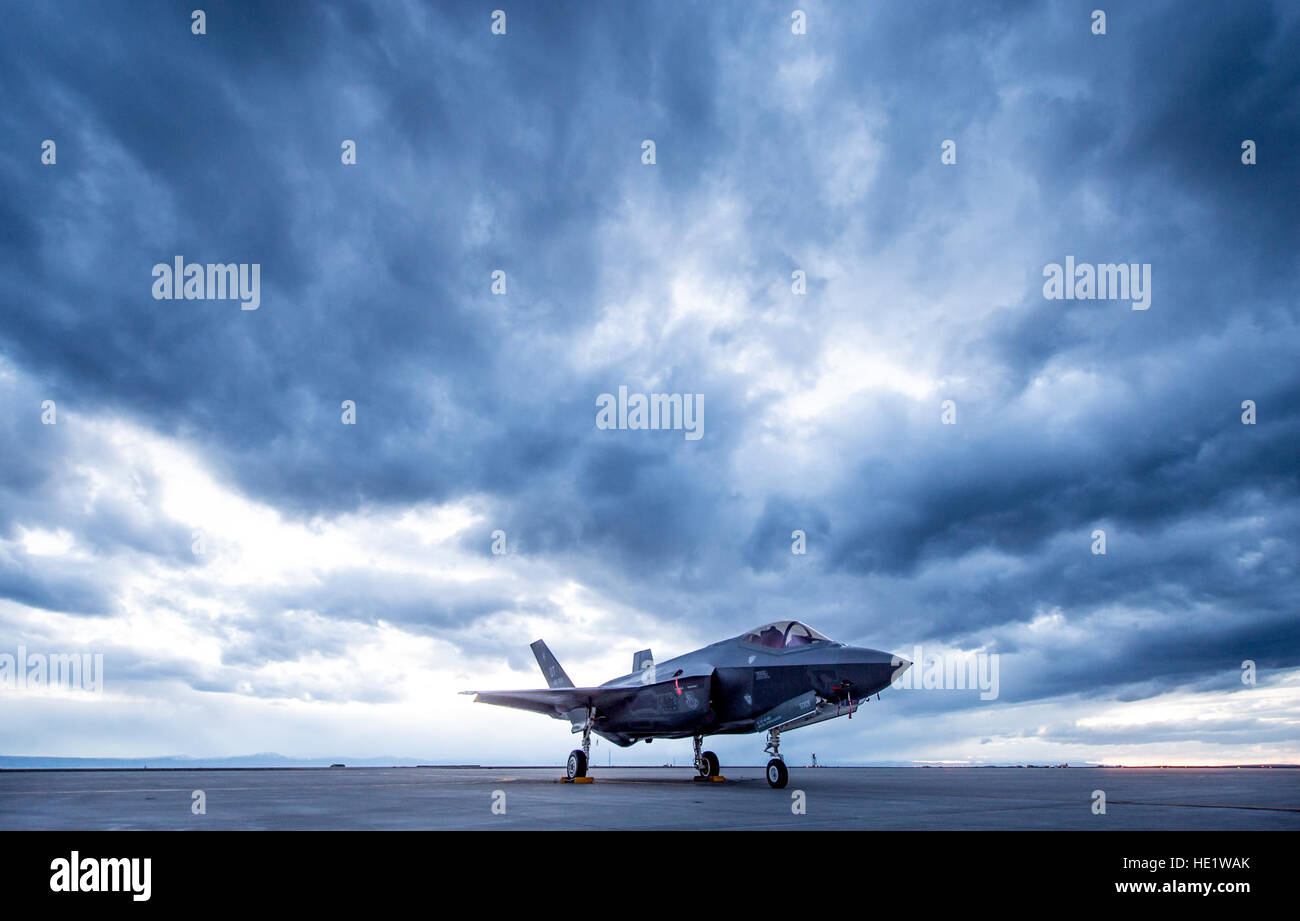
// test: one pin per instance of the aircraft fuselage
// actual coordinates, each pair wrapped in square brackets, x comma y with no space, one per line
[726,688]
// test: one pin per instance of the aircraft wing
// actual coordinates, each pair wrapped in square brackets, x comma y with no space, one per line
[556,702]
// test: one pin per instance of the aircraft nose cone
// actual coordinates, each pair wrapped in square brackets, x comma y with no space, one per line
[879,657]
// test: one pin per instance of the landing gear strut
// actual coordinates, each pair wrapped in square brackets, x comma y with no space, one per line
[705,762]
[777,774]
[579,757]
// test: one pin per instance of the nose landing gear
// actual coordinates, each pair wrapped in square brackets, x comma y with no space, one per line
[777,774]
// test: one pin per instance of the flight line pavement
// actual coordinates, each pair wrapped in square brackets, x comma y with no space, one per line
[449,798]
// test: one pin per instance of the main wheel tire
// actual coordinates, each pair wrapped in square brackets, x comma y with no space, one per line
[709,766]
[577,764]
[777,775]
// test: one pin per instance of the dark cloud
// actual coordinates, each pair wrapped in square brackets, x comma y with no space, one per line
[774,153]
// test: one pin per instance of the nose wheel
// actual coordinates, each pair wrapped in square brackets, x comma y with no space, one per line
[777,773]
[577,764]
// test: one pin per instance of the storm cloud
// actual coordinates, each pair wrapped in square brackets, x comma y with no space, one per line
[199,512]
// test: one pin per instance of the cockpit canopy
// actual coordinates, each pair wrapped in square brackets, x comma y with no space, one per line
[783,634]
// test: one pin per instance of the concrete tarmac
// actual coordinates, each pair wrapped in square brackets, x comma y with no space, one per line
[653,798]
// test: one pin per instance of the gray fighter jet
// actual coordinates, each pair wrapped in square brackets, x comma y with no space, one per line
[772,679]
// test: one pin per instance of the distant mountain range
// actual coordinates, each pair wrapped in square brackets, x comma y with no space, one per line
[274,760]
[181,762]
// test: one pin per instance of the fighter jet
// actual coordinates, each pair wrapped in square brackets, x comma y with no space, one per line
[772,679]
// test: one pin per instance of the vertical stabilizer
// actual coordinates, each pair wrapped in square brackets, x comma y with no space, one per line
[642,660]
[555,676]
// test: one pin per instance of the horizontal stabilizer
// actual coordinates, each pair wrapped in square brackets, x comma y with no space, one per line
[558,702]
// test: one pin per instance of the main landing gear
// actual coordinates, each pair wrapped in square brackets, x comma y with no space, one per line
[579,757]
[777,774]
[705,762]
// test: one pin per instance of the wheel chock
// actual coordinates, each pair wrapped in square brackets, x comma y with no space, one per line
[577,780]
[716,778]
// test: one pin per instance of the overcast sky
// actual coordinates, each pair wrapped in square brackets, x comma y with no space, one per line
[347,587]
